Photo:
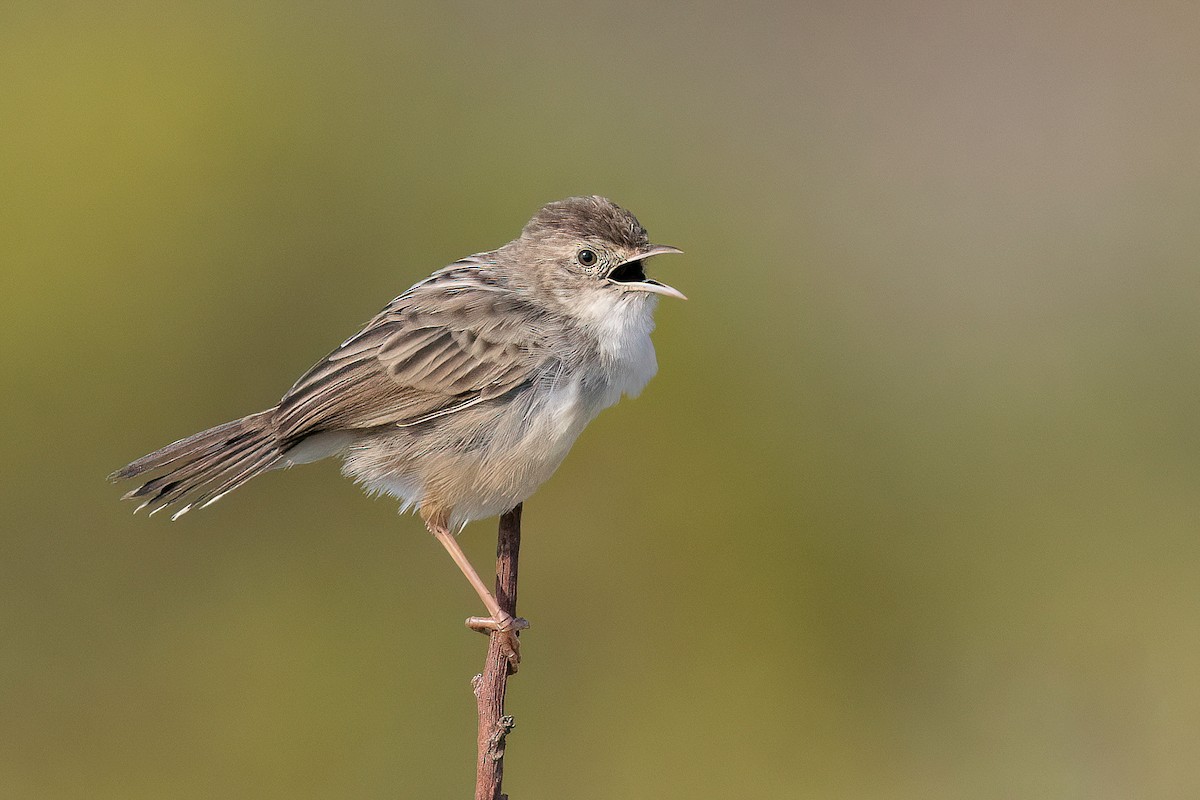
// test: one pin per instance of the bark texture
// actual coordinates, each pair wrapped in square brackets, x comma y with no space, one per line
[490,686]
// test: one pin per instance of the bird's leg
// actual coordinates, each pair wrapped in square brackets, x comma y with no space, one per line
[500,620]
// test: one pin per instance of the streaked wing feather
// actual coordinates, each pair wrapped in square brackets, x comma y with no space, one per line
[454,340]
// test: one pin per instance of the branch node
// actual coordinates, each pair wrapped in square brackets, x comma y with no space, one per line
[496,742]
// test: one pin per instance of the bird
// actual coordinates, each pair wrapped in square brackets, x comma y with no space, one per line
[464,394]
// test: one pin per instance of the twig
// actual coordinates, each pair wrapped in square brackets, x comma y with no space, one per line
[490,687]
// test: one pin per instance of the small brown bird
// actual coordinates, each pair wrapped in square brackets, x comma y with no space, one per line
[465,393]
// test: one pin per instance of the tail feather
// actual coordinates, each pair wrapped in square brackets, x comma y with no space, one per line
[196,464]
[201,473]
[212,495]
[191,447]
[207,465]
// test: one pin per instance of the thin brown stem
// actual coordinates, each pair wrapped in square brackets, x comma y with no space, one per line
[490,687]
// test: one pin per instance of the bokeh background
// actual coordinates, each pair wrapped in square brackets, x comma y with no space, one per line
[910,511]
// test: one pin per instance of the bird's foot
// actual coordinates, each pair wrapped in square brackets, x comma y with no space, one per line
[507,626]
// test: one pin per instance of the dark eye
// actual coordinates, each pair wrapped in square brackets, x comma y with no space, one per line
[588,257]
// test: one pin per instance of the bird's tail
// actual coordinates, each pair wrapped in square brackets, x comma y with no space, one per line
[203,468]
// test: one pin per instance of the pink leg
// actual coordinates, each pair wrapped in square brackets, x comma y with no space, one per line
[500,621]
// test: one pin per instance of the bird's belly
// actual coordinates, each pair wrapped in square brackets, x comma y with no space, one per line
[525,450]
[482,464]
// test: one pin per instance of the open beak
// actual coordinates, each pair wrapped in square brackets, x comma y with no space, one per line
[631,274]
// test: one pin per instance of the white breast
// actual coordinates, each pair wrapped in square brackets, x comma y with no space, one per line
[622,326]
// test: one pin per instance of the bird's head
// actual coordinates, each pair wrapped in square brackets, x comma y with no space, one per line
[589,252]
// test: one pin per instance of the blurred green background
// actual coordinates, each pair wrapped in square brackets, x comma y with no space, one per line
[910,511]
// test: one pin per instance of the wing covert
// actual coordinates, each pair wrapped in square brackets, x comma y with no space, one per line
[452,341]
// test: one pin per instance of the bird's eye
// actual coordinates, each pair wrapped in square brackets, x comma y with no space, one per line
[588,257]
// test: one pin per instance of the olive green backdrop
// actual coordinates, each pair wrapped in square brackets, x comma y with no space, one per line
[910,510]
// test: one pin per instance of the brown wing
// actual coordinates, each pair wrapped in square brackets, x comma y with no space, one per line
[451,341]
